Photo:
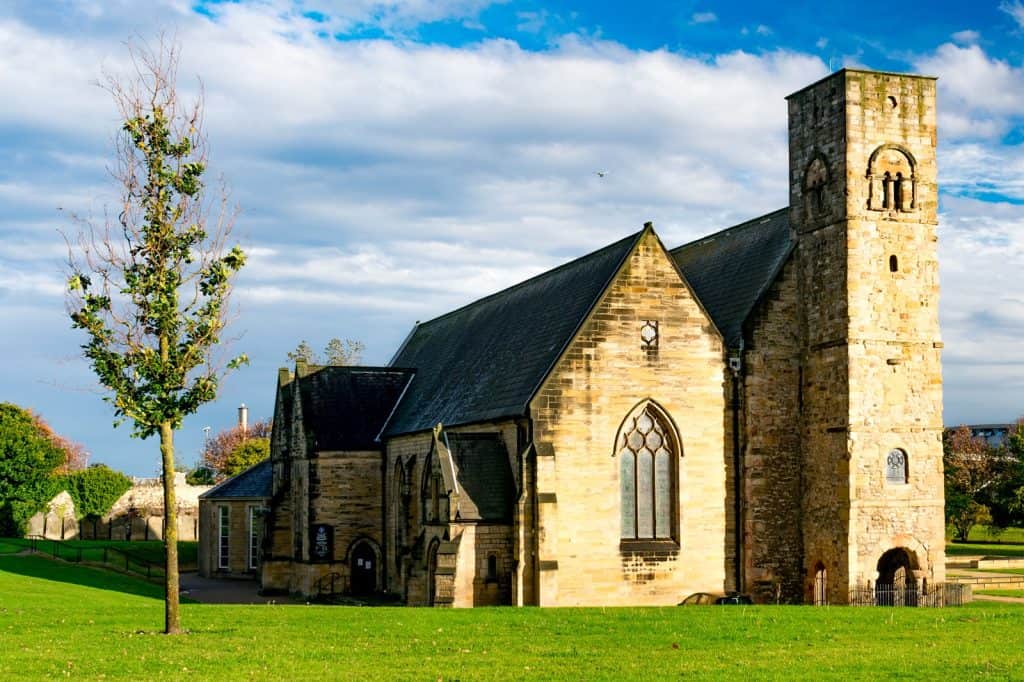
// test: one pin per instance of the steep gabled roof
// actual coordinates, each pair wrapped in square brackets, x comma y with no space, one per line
[253,482]
[485,360]
[730,270]
[345,407]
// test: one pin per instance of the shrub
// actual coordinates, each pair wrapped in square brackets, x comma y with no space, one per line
[28,457]
[94,490]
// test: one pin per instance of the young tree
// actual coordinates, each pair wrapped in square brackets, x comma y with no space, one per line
[150,288]
[336,352]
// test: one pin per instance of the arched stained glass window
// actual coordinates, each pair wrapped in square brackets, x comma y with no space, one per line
[647,454]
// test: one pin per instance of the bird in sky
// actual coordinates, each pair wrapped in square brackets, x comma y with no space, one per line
[601,174]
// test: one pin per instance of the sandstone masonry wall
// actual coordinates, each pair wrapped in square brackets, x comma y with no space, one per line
[600,379]
[773,465]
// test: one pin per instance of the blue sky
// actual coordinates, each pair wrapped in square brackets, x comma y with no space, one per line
[395,159]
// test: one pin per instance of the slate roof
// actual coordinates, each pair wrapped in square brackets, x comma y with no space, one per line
[344,408]
[487,489]
[253,482]
[484,361]
[730,270]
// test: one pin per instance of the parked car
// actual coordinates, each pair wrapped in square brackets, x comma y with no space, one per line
[734,598]
[701,599]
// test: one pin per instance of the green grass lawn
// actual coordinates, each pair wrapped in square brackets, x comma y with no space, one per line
[1010,542]
[1008,535]
[10,546]
[986,549]
[1002,593]
[92,550]
[58,619]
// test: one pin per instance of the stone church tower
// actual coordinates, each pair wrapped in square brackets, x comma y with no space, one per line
[863,204]
[759,410]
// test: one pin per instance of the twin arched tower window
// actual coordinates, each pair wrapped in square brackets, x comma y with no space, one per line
[647,452]
[891,180]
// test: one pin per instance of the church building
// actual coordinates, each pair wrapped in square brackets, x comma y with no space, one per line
[758,411]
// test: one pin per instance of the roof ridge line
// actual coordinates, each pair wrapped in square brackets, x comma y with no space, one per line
[375,368]
[590,308]
[524,282]
[745,223]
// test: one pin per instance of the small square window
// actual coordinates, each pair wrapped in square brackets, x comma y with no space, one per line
[649,334]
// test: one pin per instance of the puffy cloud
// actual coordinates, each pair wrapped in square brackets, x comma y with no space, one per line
[384,181]
[704,18]
[966,37]
[981,97]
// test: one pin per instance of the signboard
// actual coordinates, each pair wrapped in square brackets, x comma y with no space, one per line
[322,542]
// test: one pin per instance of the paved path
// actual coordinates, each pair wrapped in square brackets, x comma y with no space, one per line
[224,591]
[992,597]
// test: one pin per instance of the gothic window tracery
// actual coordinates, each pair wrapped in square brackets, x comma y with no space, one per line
[647,455]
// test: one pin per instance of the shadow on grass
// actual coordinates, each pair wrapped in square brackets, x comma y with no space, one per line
[37,566]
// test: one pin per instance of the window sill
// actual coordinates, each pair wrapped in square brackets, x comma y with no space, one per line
[637,546]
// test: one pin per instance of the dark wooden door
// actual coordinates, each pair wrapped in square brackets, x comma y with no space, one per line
[364,570]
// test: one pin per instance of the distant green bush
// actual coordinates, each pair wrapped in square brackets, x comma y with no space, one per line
[201,475]
[28,458]
[94,490]
[248,453]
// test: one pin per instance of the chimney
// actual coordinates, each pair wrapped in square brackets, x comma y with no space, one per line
[243,418]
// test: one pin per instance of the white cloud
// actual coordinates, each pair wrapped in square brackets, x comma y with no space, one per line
[981,253]
[981,96]
[395,17]
[821,43]
[974,168]
[387,181]
[531,22]
[703,18]
[966,37]
[1015,9]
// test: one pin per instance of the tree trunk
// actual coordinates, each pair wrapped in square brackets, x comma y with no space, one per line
[172,624]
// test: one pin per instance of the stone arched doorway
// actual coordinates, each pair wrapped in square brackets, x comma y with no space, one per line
[432,572]
[363,569]
[897,583]
[820,585]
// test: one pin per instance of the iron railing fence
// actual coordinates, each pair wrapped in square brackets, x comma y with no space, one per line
[330,585]
[108,556]
[934,595]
